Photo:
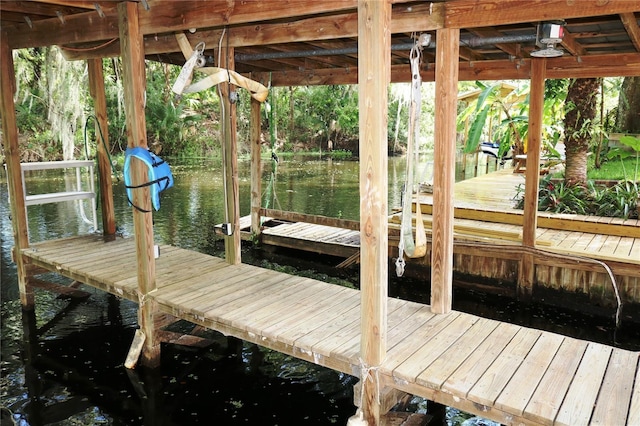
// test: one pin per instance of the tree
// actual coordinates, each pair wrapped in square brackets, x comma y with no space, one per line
[628,120]
[579,127]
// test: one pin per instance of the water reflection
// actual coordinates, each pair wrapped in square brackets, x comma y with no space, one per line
[63,363]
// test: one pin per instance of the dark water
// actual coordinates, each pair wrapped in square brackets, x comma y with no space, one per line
[62,364]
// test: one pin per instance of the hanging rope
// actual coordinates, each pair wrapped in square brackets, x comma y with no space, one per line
[270,193]
[216,75]
[407,245]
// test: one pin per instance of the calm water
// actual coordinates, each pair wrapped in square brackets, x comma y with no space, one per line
[63,365]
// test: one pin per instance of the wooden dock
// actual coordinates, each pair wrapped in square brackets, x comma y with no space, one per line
[504,372]
[488,241]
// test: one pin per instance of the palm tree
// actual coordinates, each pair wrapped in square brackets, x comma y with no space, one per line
[579,128]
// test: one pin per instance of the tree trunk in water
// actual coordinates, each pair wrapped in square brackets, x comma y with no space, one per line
[628,120]
[580,110]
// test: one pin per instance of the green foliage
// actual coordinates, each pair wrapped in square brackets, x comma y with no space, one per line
[341,154]
[633,143]
[619,200]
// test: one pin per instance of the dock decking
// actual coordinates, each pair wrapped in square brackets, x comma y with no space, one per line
[504,372]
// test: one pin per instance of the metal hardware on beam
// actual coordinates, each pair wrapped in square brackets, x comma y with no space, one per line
[469,42]
[99,10]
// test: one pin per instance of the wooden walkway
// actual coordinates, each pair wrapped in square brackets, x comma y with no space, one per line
[499,371]
[484,212]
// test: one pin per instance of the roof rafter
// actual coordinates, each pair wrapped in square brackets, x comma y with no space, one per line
[631,25]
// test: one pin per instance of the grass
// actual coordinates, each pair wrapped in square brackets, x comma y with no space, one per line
[613,170]
[610,170]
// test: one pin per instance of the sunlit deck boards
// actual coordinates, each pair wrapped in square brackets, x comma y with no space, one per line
[315,238]
[499,371]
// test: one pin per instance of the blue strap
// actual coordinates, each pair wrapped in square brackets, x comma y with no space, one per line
[158,172]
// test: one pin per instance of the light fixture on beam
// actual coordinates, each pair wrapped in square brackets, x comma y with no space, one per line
[549,34]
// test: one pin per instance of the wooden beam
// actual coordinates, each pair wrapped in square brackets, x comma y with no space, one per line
[256,167]
[489,13]
[168,16]
[96,89]
[622,65]
[631,25]
[232,243]
[447,42]
[133,70]
[530,215]
[374,45]
[309,218]
[572,45]
[420,17]
[14,173]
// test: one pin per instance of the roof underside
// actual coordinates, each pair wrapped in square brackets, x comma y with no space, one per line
[315,42]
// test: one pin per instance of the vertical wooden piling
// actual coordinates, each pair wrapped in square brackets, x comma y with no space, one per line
[14,174]
[256,167]
[532,175]
[230,166]
[96,88]
[374,71]
[133,67]
[446,73]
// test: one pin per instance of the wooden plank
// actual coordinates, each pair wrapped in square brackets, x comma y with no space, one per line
[133,71]
[292,319]
[515,396]
[97,91]
[176,278]
[610,245]
[319,321]
[578,403]
[433,348]
[399,312]
[374,73]
[207,284]
[612,405]
[405,321]
[291,309]
[545,401]
[624,247]
[447,50]
[434,376]
[212,285]
[634,409]
[319,336]
[471,13]
[403,350]
[466,376]
[314,219]
[500,372]
[237,308]
[230,289]
[256,166]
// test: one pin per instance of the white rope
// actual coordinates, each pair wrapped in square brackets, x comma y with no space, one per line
[142,297]
[367,372]
[417,247]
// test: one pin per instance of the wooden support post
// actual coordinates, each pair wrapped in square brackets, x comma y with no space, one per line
[374,73]
[447,47]
[14,174]
[532,175]
[133,67]
[256,168]
[230,167]
[96,88]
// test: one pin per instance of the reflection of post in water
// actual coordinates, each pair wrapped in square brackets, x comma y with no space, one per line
[31,376]
[149,390]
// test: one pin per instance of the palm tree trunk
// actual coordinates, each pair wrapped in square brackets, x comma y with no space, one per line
[580,110]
